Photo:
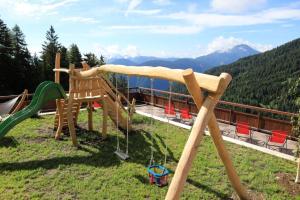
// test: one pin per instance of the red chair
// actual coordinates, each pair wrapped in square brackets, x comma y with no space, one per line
[243,130]
[170,110]
[184,114]
[278,138]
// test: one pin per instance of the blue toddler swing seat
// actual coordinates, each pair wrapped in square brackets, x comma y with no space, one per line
[158,174]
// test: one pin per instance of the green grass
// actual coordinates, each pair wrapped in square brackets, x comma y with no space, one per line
[35,166]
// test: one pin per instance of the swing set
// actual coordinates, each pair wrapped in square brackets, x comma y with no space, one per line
[197,84]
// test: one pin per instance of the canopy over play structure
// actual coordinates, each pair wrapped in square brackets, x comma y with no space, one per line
[197,84]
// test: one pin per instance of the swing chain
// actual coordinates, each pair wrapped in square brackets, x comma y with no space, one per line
[127,125]
[152,122]
[117,123]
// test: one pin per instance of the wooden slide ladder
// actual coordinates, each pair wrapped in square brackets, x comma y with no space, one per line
[111,100]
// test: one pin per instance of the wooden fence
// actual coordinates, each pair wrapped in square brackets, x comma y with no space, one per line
[261,119]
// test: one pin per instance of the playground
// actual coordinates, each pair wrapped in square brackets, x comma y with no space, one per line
[35,166]
[113,153]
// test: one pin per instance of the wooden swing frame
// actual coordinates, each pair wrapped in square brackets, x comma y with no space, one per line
[196,83]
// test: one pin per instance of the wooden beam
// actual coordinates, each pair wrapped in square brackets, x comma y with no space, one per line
[207,82]
[225,157]
[190,151]
[194,140]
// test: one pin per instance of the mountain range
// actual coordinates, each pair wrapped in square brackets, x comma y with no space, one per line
[269,79]
[198,64]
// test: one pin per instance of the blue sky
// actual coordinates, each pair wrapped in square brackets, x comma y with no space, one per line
[164,28]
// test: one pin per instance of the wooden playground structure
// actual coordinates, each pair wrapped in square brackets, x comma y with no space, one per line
[95,88]
[196,84]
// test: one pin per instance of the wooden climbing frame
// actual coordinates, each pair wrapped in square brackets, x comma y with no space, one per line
[81,90]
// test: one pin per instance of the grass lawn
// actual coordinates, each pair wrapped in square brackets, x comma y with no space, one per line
[35,166]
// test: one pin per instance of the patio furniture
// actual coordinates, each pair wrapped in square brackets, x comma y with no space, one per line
[185,115]
[242,130]
[278,139]
[96,104]
[170,111]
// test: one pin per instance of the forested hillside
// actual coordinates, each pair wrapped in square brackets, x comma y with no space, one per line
[20,70]
[265,79]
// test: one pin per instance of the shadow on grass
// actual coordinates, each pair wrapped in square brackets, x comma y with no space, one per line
[8,141]
[220,195]
[102,154]
[205,188]
[208,189]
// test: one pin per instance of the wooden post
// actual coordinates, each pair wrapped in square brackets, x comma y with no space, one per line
[90,116]
[57,66]
[59,105]
[105,117]
[194,140]
[258,121]
[225,157]
[69,108]
[190,150]
[60,121]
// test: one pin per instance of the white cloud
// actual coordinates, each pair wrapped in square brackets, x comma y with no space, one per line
[274,15]
[158,29]
[145,12]
[130,51]
[162,2]
[115,50]
[133,4]
[75,19]
[236,6]
[26,8]
[192,7]
[222,44]
[132,8]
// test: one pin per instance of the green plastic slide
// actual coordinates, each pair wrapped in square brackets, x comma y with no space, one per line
[45,92]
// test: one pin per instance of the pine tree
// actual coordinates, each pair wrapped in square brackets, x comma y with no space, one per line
[22,61]
[102,60]
[50,48]
[64,63]
[35,72]
[6,60]
[92,59]
[75,56]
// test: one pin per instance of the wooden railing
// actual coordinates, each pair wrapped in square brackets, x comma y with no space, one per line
[261,119]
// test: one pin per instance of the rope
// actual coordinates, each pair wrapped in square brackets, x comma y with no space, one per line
[168,126]
[127,125]
[152,123]
[117,123]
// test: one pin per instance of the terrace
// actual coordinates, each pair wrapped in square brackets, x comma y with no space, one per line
[34,165]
